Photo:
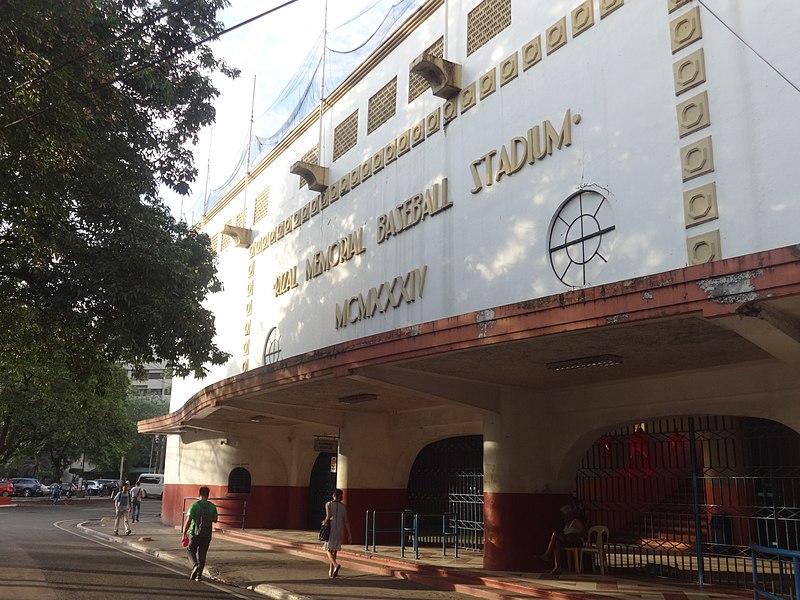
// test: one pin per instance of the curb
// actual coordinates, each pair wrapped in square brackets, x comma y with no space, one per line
[269,591]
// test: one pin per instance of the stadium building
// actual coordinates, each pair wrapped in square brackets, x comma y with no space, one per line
[527,251]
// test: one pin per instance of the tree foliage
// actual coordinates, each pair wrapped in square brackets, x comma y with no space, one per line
[97,103]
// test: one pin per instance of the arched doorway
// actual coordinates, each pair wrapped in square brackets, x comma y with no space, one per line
[320,488]
[447,477]
[678,490]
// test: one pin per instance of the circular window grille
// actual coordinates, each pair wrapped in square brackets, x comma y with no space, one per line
[272,347]
[581,238]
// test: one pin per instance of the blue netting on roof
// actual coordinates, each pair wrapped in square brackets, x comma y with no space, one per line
[346,48]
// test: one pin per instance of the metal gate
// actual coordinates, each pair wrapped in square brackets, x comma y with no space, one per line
[447,478]
[320,489]
[685,497]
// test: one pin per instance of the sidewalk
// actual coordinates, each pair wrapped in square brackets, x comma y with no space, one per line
[290,565]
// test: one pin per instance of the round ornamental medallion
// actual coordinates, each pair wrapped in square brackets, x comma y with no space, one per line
[581,238]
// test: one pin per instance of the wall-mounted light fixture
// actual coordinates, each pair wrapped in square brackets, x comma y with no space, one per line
[587,362]
[358,398]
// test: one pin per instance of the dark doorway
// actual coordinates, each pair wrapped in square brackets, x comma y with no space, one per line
[320,488]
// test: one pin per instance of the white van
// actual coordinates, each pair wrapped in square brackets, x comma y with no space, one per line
[152,484]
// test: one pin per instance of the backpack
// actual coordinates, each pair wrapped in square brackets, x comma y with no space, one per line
[203,524]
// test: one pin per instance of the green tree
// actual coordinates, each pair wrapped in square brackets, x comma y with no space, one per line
[98,102]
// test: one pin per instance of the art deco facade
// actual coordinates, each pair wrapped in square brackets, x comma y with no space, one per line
[527,223]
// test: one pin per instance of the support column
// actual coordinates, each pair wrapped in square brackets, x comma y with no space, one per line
[522,492]
[369,470]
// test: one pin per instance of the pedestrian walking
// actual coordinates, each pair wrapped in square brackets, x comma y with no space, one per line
[197,532]
[137,493]
[122,504]
[336,515]
[55,491]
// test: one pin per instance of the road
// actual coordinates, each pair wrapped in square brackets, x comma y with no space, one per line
[44,557]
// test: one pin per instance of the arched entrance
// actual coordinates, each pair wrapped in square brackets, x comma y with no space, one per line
[320,488]
[678,490]
[447,477]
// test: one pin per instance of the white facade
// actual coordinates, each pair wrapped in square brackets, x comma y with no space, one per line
[611,89]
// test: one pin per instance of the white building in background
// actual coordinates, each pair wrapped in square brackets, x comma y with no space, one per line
[504,195]
[155,381]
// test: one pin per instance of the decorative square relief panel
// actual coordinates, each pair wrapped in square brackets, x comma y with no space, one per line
[704,248]
[532,53]
[556,35]
[333,192]
[509,69]
[488,83]
[390,152]
[689,72]
[404,142]
[355,177]
[314,206]
[468,97]
[697,159]
[609,6]
[324,200]
[377,161]
[305,212]
[418,133]
[450,110]
[485,21]
[273,235]
[432,122]
[344,185]
[582,18]
[674,5]
[693,114]
[366,169]
[685,29]
[700,205]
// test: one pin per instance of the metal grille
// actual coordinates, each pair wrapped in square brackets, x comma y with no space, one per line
[382,106]
[262,205]
[485,21]
[215,242]
[310,157]
[226,240]
[345,135]
[320,488]
[447,476]
[416,83]
[240,219]
[685,497]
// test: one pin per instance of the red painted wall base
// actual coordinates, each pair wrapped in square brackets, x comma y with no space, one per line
[517,528]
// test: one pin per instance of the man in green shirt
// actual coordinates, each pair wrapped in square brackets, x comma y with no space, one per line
[199,519]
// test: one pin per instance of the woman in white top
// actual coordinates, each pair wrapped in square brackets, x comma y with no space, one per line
[571,537]
[336,515]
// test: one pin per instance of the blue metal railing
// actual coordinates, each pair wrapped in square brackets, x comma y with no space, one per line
[784,574]
[409,526]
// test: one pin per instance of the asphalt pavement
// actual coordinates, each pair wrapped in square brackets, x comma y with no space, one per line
[290,565]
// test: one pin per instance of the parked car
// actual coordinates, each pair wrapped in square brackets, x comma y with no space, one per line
[6,488]
[27,486]
[109,487]
[46,489]
[93,487]
[152,484]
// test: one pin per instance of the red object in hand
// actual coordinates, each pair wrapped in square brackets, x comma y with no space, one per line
[185,541]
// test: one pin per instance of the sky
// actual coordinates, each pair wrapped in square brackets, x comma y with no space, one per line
[268,52]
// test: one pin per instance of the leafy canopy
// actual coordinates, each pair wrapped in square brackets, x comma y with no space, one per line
[98,100]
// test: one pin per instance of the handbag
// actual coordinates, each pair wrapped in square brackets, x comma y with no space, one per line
[325,532]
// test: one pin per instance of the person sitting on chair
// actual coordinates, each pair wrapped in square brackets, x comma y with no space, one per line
[572,537]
